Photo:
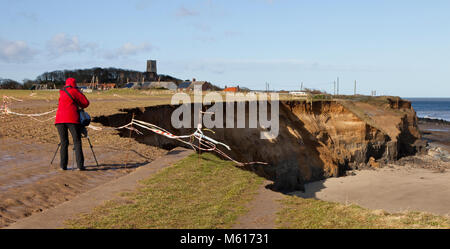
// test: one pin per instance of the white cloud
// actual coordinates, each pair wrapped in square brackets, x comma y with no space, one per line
[16,51]
[231,33]
[202,27]
[131,49]
[61,44]
[285,64]
[128,49]
[143,4]
[184,12]
[31,16]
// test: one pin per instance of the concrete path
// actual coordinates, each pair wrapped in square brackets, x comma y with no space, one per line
[395,189]
[55,217]
[262,210]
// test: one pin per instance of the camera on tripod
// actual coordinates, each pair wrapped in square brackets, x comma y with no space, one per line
[84,134]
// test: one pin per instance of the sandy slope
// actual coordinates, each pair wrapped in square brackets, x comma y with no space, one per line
[394,189]
[85,202]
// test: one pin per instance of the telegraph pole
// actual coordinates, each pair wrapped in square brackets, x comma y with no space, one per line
[301,88]
[354,92]
[334,90]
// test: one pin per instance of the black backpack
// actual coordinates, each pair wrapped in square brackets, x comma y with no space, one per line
[85,119]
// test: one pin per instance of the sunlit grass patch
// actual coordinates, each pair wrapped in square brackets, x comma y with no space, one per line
[311,213]
[185,195]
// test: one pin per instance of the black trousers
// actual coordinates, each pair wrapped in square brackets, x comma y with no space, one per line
[75,130]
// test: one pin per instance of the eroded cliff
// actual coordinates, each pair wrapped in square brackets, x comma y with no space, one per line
[316,139]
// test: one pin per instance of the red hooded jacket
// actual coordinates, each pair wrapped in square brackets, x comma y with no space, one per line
[67,109]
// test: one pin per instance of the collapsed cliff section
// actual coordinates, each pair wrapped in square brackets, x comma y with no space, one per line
[316,139]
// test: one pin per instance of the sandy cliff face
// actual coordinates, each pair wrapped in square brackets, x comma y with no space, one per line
[348,134]
[316,139]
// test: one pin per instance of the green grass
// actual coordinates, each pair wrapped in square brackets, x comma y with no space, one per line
[185,195]
[300,213]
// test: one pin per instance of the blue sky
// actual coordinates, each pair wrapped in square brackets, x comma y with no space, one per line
[394,47]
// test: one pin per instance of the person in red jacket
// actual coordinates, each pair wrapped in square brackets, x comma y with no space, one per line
[67,118]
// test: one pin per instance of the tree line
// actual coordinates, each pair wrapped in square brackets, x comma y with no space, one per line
[96,74]
[101,75]
[10,84]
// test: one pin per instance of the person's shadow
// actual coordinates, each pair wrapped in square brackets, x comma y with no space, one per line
[311,190]
[115,166]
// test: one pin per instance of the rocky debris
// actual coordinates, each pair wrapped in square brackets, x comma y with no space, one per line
[350,173]
[437,159]
[373,163]
[421,147]
[411,160]
[439,154]
[433,121]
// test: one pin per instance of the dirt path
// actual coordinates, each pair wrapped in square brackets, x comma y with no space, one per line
[55,217]
[394,189]
[263,209]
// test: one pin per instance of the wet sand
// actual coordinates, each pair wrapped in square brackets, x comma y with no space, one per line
[437,133]
[29,184]
[417,183]
[393,188]
[86,202]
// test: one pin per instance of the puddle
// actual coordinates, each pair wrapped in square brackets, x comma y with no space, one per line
[5,158]
[442,130]
[29,180]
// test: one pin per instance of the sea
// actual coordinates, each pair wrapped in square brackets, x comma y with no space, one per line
[434,108]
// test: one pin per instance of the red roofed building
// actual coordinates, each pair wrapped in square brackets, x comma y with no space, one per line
[231,89]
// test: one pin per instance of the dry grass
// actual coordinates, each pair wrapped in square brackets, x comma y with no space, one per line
[300,213]
[186,195]
[32,131]
[102,103]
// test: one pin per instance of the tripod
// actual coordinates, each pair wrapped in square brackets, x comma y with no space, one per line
[84,134]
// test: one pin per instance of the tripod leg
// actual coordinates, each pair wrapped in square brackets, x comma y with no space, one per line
[54,155]
[92,149]
[73,158]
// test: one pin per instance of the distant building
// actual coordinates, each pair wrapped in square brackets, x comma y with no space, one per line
[183,86]
[151,66]
[151,74]
[299,93]
[231,89]
[145,85]
[129,85]
[203,85]
[106,86]
[85,89]
[164,84]
[43,86]
[133,85]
